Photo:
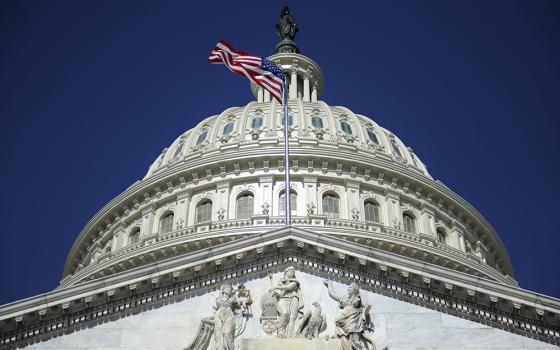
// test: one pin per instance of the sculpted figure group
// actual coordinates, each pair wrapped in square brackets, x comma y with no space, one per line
[353,325]
[283,313]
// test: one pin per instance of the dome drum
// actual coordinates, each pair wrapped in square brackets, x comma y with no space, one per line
[259,172]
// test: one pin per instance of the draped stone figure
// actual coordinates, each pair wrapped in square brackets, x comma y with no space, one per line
[231,311]
[290,304]
[353,325]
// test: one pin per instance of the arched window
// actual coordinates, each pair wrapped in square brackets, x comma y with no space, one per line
[282,203]
[396,148]
[346,128]
[203,211]
[134,236]
[408,223]
[373,137]
[317,122]
[179,149]
[245,206]
[201,137]
[331,204]
[166,223]
[290,120]
[441,236]
[228,128]
[371,211]
[256,122]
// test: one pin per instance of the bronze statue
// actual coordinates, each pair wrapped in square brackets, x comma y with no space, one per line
[286,29]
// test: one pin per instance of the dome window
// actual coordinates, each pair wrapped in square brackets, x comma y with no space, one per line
[441,236]
[331,204]
[346,128]
[166,223]
[408,223]
[204,211]
[134,236]
[396,148]
[373,137]
[371,211]
[228,128]
[178,150]
[245,206]
[282,203]
[256,122]
[317,122]
[290,120]
[201,137]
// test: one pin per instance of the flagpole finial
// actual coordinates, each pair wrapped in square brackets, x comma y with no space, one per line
[286,29]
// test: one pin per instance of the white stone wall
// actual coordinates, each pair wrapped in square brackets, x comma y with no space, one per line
[398,325]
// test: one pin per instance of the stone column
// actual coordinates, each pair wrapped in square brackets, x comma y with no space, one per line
[148,215]
[306,96]
[293,84]
[223,189]
[310,194]
[260,94]
[393,211]
[353,200]
[183,204]
[118,237]
[456,239]
[314,92]
[428,222]
[266,96]
[265,183]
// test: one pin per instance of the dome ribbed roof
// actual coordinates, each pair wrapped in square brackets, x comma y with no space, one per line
[314,124]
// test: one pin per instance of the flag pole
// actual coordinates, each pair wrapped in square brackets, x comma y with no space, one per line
[286,157]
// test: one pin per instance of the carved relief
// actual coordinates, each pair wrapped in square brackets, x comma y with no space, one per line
[310,208]
[283,310]
[221,213]
[229,320]
[353,325]
[265,208]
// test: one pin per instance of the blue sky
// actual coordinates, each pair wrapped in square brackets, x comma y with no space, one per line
[92,91]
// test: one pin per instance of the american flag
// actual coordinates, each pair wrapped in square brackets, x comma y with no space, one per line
[259,70]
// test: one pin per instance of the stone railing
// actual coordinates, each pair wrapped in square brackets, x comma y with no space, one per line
[247,226]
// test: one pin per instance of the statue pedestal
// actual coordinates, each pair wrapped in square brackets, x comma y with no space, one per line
[290,344]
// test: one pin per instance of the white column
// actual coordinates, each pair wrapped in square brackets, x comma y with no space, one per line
[183,203]
[265,183]
[306,97]
[428,223]
[266,96]
[260,94]
[455,239]
[310,194]
[393,211]
[148,215]
[353,199]
[118,237]
[222,199]
[293,85]
[314,93]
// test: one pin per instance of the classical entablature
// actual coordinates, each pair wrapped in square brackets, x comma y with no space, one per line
[173,278]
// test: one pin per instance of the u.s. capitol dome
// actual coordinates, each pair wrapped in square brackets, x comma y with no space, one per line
[210,212]
[351,179]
